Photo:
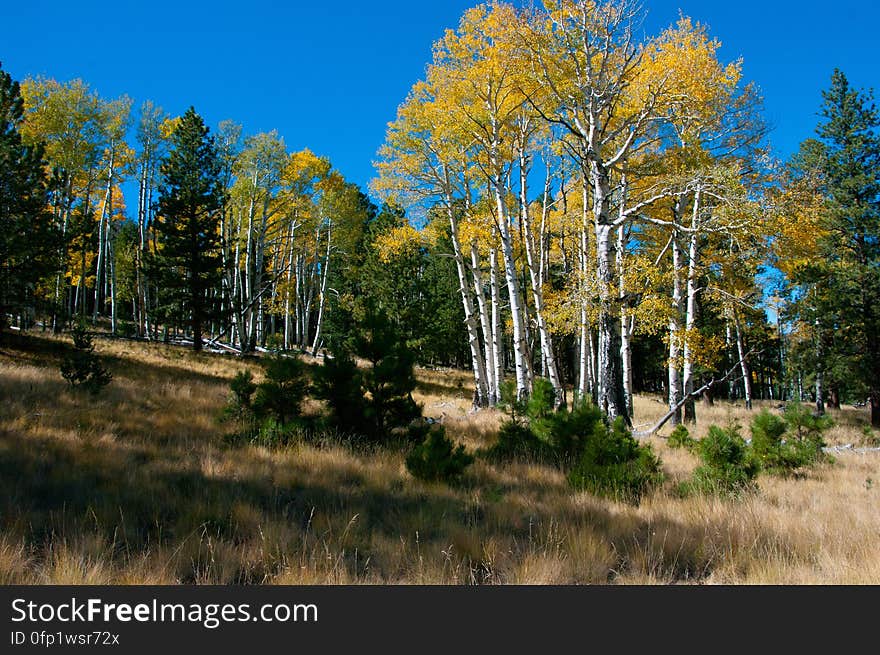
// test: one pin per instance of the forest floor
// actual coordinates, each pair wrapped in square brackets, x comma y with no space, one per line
[142,485]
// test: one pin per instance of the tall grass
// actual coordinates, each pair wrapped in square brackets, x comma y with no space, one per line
[141,486]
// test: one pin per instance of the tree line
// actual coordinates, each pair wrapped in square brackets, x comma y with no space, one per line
[562,199]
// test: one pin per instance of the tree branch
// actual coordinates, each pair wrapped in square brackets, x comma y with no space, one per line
[706,387]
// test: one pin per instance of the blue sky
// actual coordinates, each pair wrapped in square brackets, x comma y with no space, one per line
[330,75]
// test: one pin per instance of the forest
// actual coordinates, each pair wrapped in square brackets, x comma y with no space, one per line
[574,229]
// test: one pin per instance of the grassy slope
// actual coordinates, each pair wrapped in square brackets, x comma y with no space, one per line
[140,486]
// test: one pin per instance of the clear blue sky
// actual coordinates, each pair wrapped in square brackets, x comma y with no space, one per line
[329,75]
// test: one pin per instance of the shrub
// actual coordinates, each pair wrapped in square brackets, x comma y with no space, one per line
[784,445]
[804,423]
[613,464]
[538,432]
[606,461]
[267,413]
[82,367]
[338,382]
[727,468]
[281,394]
[508,402]
[376,400]
[870,437]
[566,431]
[275,342]
[768,447]
[542,402]
[806,432]
[517,440]
[681,438]
[126,329]
[241,399]
[437,458]
[270,432]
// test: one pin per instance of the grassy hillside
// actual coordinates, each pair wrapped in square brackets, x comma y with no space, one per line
[143,486]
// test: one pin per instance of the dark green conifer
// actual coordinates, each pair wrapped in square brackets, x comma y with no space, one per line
[188,265]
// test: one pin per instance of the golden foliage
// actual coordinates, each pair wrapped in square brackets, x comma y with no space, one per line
[398,241]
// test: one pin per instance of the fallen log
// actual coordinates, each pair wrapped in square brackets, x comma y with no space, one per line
[706,387]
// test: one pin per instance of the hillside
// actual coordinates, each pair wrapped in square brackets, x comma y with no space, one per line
[142,485]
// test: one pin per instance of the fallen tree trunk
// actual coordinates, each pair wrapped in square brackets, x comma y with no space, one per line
[687,397]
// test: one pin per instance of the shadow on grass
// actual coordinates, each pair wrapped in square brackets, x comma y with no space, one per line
[141,481]
[443,390]
[140,499]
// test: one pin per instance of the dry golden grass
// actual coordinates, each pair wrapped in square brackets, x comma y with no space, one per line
[141,486]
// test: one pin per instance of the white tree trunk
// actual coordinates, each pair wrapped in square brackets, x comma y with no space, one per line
[325,274]
[481,392]
[691,315]
[610,369]
[626,323]
[246,280]
[100,272]
[288,330]
[675,394]
[520,348]
[744,364]
[533,264]
[492,383]
[497,332]
[585,352]
[820,371]
[610,379]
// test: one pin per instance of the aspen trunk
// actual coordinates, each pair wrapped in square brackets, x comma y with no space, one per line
[140,303]
[246,326]
[492,382]
[626,321]
[820,372]
[674,334]
[744,365]
[325,274]
[111,260]
[481,392]
[520,354]
[610,370]
[287,290]
[497,333]
[586,376]
[102,239]
[532,257]
[66,203]
[691,316]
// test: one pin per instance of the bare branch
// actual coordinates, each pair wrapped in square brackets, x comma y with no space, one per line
[706,387]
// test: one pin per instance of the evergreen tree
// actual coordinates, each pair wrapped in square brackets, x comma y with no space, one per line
[445,339]
[82,367]
[28,236]
[187,266]
[389,380]
[374,400]
[842,285]
[414,285]
[393,282]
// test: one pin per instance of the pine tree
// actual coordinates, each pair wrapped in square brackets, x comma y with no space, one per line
[82,367]
[374,400]
[842,283]
[28,237]
[389,380]
[187,266]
